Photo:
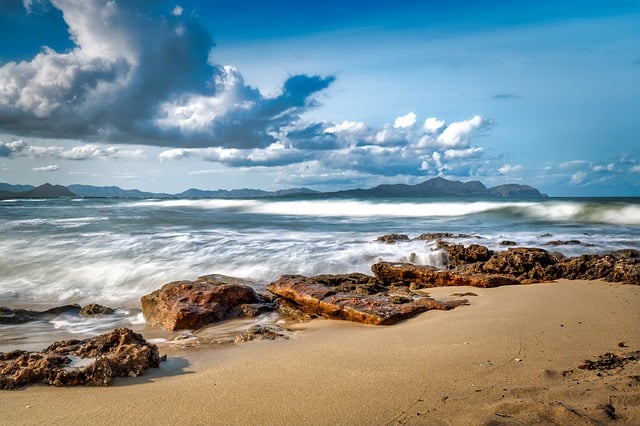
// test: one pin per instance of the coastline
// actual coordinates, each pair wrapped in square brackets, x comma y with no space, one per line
[501,359]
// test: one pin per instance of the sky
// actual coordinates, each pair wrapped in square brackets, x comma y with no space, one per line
[169,95]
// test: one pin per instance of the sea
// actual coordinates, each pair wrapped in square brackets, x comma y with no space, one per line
[55,252]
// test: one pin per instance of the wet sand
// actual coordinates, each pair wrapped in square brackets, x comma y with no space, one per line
[510,357]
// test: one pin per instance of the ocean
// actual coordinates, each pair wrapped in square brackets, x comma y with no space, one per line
[112,251]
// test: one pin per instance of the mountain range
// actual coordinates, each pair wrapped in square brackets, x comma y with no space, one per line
[435,187]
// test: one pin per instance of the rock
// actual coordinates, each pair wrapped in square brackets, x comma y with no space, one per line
[508,243]
[434,236]
[193,304]
[607,267]
[349,297]
[460,255]
[94,310]
[519,262]
[421,276]
[392,238]
[20,316]
[95,361]
[563,243]
[535,265]
[263,332]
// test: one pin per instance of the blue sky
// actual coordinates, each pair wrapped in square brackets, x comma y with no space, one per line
[164,96]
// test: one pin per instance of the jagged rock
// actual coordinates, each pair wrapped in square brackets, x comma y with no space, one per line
[20,316]
[392,238]
[508,243]
[349,297]
[263,332]
[591,267]
[192,304]
[521,262]
[563,243]
[94,310]
[460,255]
[95,361]
[421,276]
[535,264]
[434,236]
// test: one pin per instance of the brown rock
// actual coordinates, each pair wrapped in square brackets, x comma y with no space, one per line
[263,332]
[94,310]
[460,255]
[328,296]
[421,276]
[520,262]
[392,238]
[95,361]
[434,236]
[192,304]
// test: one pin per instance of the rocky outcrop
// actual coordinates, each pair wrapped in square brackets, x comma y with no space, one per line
[520,262]
[352,297]
[535,265]
[392,238]
[263,332]
[193,304]
[95,310]
[20,316]
[95,361]
[421,276]
[458,254]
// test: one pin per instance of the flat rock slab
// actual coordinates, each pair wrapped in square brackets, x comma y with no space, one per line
[322,296]
[421,276]
[193,304]
[95,361]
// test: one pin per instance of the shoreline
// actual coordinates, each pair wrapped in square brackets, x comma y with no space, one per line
[500,359]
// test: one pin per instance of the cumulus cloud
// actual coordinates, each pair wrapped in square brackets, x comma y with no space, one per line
[510,168]
[51,168]
[578,177]
[405,121]
[20,148]
[432,124]
[111,86]
[457,134]
[353,146]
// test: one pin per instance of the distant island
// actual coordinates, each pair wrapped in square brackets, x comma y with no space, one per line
[435,187]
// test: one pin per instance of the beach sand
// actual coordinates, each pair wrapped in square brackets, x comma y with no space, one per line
[510,357]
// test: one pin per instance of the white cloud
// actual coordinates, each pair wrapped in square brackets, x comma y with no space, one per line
[432,124]
[405,121]
[51,168]
[603,167]
[177,11]
[578,177]
[348,127]
[207,172]
[457,134]
[20,148]
[635,169]
[510,168]
[174,154]
[452,154]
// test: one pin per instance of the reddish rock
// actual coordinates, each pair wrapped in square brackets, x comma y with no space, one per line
[193,304]
[95,361]
[460,255]
[328,296]
[535,264]
[520,262]
[421,276]
[95,310]
[392,238]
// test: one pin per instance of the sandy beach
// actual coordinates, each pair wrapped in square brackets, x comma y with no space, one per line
[510,357]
